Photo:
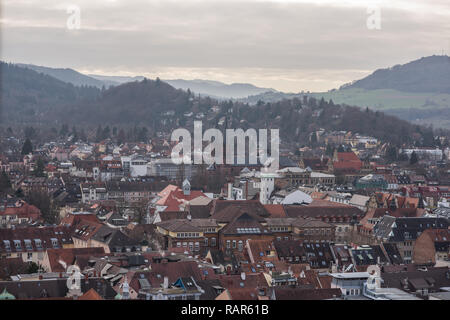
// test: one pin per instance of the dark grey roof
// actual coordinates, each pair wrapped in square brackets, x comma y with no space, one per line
[393,253]
[401,229]
[433,279]
[55,288]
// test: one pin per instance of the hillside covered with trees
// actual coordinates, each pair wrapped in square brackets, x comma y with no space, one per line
[33,99]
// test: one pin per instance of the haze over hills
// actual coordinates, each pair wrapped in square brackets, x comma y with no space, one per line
[215,89]
[31,98]
[418,91]
[218,89]
[67,75]
[210,88]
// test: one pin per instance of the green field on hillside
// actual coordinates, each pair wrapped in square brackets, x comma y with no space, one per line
[384,99]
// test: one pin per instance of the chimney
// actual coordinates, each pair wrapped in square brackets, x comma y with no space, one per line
[230,190]
[246,190]
[166,283]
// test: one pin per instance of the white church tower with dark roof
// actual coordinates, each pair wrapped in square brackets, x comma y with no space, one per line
[186,187]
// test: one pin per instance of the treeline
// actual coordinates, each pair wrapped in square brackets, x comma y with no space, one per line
[31,97]
[138,110]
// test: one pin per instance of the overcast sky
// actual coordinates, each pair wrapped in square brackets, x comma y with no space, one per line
[289,45]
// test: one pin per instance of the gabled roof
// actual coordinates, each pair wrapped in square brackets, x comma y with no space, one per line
[68,256]
[91,294]
[433,279]
[288,293]
[227,210]
[401,229]
[275,210]
[313,211]
[244,224]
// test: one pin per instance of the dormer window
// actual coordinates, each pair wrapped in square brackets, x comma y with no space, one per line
[17,245]
[38,243]
[28,244]
[55,243]
[7,245]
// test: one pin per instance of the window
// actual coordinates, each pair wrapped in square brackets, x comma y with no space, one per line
[191,246]
[228,244]
[17,245]
[7,245]
[178,244]
[28,244]
[197,246]
[206,241]
[234,244]
[29,255]
[213,242]
[38,243]
[54,242]
[240,245]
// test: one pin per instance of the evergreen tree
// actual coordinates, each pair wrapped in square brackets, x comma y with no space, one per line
[99,134]
[5,183]
[64,130]
[414,159]
[106,133]
[329,150]
[27,147]
[121,137]
[43,202]
[391,154]
[74,134]
[39,169]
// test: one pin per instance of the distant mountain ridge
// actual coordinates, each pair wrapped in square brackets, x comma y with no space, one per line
[428,74]
[32,98]
[417,91]
[67,75]
[215,89]
[219,89]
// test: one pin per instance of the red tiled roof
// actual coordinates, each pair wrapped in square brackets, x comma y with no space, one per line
[326,203]
[347,156]
[254,280]
[69,255]
[24,211]
[438,235]
[91,294]
[275,210]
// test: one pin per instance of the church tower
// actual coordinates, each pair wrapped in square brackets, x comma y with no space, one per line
[186,187]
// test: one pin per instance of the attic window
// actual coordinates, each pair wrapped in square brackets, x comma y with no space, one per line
[28,244]
[38,243]
[17,244]
[54,242]
[7,245]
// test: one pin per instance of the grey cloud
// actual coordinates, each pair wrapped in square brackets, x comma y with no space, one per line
[297,40]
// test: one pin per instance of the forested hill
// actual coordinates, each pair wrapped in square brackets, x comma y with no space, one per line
[428,74]
[67,75]
[31,98]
